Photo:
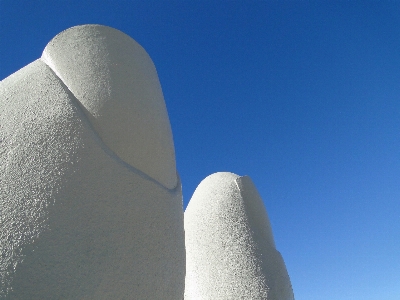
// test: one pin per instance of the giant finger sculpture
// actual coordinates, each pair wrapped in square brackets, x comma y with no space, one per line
[90,201]
[230,250]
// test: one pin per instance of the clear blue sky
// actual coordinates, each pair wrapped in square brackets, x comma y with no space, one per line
[304,97]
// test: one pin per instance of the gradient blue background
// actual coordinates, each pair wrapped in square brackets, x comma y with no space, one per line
[304,97]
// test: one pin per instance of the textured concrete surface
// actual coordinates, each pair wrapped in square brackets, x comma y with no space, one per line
[79,219]
[230,250]
[116,82]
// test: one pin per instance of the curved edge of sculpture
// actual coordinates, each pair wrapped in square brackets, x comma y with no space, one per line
[115,81]
[230,250]
[78,221]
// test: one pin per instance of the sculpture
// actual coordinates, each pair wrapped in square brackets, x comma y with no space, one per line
[90,201]
[230,250]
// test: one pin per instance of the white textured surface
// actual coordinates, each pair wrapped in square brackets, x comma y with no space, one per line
[116,82]
[230,251]
[78,221]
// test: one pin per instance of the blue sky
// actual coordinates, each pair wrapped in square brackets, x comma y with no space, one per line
[304,97]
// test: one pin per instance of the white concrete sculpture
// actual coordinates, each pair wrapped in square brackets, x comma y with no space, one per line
[230,250]
[90,200]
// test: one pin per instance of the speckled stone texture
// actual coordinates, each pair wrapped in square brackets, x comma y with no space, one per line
[89,208]
[117,85]
[230,250]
